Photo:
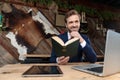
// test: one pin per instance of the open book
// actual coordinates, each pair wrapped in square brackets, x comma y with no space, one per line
[70,48]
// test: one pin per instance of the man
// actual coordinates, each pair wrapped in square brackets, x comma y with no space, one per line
[72,23]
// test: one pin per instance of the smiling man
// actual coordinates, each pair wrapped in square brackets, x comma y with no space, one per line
[72,23]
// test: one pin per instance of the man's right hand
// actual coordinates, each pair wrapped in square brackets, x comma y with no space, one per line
[63,60]
[77,35]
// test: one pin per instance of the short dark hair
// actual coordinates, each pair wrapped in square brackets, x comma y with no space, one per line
[70,13]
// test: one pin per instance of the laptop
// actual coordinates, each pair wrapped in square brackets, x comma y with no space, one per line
[111,64]
[43,70]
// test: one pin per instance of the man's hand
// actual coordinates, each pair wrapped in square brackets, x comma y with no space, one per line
[77,35]
[63,60]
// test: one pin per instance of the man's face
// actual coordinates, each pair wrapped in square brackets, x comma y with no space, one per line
[73,23]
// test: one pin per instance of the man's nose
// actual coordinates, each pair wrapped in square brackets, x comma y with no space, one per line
[74,24]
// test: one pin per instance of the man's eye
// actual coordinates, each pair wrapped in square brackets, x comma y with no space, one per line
[76,21]
[70,22]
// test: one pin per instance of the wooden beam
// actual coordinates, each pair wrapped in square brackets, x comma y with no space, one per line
[6,45]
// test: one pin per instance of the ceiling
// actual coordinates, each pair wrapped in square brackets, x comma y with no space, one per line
[112,3]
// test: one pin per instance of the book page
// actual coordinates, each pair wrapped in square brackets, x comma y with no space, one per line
[57,39]
[70,41]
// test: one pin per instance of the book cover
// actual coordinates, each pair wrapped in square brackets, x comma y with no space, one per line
[70,48]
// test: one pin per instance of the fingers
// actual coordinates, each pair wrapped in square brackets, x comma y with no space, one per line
[63,60]
[60,58]
[76,34]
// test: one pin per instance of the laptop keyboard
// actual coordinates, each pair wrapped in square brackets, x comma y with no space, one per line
[96,69]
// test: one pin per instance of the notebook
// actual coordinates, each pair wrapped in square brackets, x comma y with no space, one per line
[42,70]
[111,64]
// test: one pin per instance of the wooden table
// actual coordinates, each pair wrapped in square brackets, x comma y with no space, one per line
[14,72]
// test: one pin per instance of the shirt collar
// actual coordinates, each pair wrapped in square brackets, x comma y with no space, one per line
[69,37]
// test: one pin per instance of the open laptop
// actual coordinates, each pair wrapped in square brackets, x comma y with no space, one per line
[111,58]
[43,70]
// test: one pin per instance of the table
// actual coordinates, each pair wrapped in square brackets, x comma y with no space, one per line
[14,72]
